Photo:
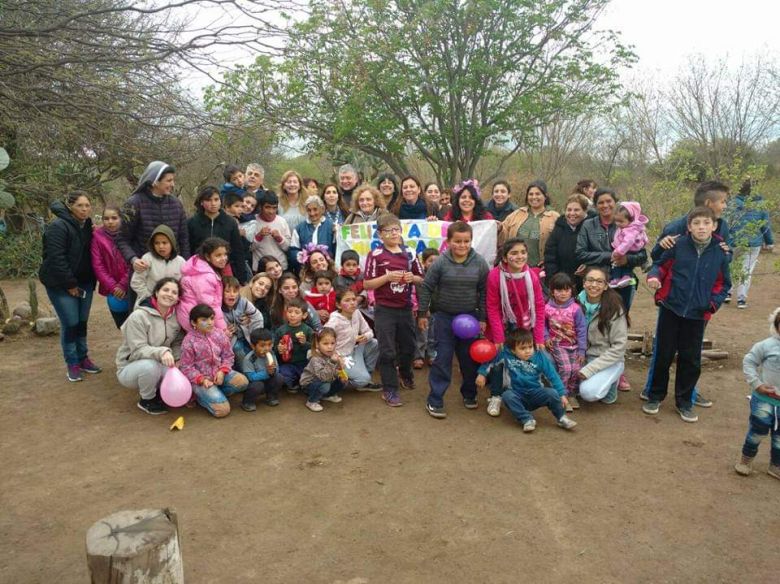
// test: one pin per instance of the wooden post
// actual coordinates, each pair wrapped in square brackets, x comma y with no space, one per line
[135,547]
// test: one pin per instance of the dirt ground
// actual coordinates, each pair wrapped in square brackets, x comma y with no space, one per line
[363,493]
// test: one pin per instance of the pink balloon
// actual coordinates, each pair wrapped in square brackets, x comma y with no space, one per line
[175,389]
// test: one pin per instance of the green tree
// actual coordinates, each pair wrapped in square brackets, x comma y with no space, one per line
[446,80]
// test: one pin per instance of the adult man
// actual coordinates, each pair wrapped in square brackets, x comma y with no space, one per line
[254,177]
[348,182]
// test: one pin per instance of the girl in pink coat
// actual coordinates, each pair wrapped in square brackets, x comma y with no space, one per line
[201,282]
[110,267]
[514,295]
[631,236]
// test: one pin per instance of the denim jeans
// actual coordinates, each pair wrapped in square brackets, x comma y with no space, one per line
[364,359]
[240,350]
[291,373]
[764,419]
[73,314]
[316,390]
[447,345]
[522,403]
[218,394]
[270,387]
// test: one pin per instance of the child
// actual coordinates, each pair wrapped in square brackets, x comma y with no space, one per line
[522,368]
[257,292]
[207,361]
[566,329]
[163,260]
[201,282]
[322,297]
[424,346]
[269,235]
[293,341]
[317,229]
[458,277]
[250,208]
[354,341]
[349,274]
[262,370]
[391,271]
[241,317]
[765,401]
[273,267]
[234,207]
[234,181]
[629,237]
[324,375]
[289,289]
[109,265]
[691,281]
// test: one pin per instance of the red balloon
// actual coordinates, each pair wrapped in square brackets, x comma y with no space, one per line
[482,351]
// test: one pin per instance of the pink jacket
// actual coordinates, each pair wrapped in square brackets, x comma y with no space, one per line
[108,262]
[200,284]
[518,299]
[634,236]
[203,356]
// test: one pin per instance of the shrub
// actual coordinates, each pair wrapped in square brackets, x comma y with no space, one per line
[21,254]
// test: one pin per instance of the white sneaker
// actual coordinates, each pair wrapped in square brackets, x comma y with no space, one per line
[335,398]
[314,406]
[529,426]
[566,423]
[494,405]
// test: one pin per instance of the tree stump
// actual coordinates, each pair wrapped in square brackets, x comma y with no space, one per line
[135,547]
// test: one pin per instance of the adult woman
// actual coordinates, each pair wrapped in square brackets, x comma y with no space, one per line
[411,204]
[291,199]
[312,186]
[560,251]
[210,220]
[259,292]
[499,205]
[151,341]
[608,324]
[66,272]
[594,242]
[432,193]
[335,209]
[468,204]
[533,223]
[586,187]
[367,205]
[387,183]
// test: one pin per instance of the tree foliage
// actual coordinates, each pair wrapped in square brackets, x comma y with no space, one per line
[445,80]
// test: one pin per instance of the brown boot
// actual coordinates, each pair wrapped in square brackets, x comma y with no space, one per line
[745,466]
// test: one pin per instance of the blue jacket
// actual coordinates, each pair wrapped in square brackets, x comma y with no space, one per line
[521,376]
[256,368]
[750,225]
[305,235]
[231,188]
[692,286]
[680,227]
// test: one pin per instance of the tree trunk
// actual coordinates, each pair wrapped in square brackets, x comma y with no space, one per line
[135,547]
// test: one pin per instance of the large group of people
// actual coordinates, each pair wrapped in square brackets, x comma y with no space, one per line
[245,297]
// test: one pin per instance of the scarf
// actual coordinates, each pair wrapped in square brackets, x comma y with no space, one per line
[528,317]
[417,211]
[370,217]
[591,310]
[336,217]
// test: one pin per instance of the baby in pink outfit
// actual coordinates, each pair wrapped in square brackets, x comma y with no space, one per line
[631,236]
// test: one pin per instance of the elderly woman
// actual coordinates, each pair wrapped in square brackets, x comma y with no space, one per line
[560,250]
[317,229]
[532,223]
[151,341]
[66,272]
[367,206]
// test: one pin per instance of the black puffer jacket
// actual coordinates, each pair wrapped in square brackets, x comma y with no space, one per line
[200,228]
[560,253]
[67,261]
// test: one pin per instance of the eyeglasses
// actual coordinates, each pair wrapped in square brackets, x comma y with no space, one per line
[595,281]
[391,230]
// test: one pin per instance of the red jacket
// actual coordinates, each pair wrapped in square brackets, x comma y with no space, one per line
[321,301]
[109,265]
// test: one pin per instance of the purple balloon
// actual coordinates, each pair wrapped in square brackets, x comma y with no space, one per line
[465,327]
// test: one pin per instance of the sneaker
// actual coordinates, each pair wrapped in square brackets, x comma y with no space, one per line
[573,402]
[470,403]
[153,406]
[374,387]
[687,415]
[645,395]
[418,363]
[745,466]
[314,406]
[293,389]
[494,405]
[249,406]
[334,399]
[773,471]
[569,407]
[529,426]
[273,402]
[89,367]
[701,401]
[566,423]
[612,395]
[727,299]
[406,383]
[392,399]
[435,412]
[651,407]
[741,304]
[74,373]
[623,384]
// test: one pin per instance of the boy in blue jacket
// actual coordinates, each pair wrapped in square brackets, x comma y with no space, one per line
[522,367]
[691,280]
[262,370]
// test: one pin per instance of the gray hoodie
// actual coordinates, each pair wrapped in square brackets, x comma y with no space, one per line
[762,364]
[147,335]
